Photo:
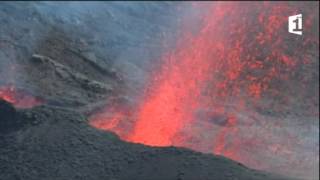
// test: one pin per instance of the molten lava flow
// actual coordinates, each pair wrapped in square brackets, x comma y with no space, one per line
[238,58]
[19,98]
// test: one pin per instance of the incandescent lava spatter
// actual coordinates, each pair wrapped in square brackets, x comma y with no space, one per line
[229,87]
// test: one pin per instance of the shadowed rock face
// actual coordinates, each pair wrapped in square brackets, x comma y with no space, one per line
[8,118]
[62,146]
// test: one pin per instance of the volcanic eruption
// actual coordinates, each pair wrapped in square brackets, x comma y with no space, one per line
[159,90]
[209,90]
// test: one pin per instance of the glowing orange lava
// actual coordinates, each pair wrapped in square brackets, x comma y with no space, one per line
[18,98]
[239,57]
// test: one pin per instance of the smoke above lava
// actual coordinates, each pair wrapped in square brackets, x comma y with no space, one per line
[224,89]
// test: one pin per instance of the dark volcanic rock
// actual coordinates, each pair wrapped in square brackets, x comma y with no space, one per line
[63,146]
[8,118]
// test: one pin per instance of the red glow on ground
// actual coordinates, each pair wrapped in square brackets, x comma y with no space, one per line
[107,121]
[18,98]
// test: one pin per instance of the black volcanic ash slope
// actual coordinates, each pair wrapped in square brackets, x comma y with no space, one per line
[52,143]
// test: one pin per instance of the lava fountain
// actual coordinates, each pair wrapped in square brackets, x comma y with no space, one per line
[241,56]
